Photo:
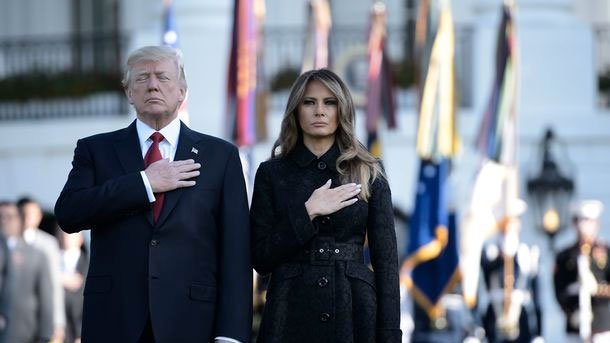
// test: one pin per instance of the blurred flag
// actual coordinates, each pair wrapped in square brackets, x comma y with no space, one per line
[380,100]
[242,74]
[431,267]
[496,139]
[170,38]
[262,84]
[436,131]
[246,101]
[496,183]
[318,30]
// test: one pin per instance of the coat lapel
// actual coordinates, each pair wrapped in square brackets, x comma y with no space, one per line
[127,147]
[187,141]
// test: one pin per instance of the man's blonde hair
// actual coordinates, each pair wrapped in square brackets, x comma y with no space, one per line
[154,53]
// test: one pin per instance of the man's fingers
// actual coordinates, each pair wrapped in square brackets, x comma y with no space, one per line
[182,184]
[183,162]
[188,175]
[188,167]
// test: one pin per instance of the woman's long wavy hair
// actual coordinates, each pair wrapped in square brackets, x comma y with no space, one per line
[355,163]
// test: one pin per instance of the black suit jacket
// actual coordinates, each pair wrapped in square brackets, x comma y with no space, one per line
[191,270]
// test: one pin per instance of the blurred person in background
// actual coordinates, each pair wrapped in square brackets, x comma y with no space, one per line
[47,243]
[30,318]
[75,263]
[510,272]
[581,277]
[5,294]
[313,203]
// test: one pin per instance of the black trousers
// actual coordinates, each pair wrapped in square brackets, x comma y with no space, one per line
[147,334]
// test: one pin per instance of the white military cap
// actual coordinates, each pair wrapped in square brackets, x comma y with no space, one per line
[588,209]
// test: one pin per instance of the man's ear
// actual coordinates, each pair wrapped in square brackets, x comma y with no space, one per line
[128,94]
[182,94]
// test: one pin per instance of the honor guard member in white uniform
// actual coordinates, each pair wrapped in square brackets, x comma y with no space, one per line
[510,270]
[581,277]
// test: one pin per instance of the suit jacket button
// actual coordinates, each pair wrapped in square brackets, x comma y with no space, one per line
[325,317]
[325,221]
[154,242]
[322,282]
[321,165]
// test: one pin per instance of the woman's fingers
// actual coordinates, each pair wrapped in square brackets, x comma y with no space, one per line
[326,200]
[326,185]
[347,191]
[347,203]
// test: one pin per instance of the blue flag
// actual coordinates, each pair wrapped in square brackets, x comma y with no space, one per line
[170,38]
[170,32]
[432,255]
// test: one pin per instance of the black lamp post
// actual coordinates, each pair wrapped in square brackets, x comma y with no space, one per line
[550,192]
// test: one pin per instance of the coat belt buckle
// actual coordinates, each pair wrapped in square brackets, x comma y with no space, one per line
[321,255]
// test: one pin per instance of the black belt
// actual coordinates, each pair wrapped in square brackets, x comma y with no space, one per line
[325,252]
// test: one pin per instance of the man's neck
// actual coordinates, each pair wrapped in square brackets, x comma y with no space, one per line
[157,123]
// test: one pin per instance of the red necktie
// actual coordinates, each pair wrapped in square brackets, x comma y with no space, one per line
[153,155]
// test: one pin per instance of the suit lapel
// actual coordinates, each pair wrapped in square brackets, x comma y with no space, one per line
[187,141]
[127,147]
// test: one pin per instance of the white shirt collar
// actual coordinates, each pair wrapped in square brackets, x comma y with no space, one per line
[29,235]
[171,132]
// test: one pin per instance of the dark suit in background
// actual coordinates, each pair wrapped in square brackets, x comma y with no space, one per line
[190,271]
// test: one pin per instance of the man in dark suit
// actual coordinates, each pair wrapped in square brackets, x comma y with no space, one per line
[30,314]
[170,253]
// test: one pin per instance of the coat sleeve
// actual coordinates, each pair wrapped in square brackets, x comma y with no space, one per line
[384,258]
[82,203]
[274,242]
[234,299]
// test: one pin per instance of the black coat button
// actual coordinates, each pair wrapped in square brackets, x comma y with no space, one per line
[325,220]
[321,165]
[154,242]
[322,282]
[325,317]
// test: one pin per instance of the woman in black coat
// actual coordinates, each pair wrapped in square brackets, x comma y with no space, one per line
[313,203]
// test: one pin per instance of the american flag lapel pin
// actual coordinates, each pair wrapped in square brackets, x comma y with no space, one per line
[194,151]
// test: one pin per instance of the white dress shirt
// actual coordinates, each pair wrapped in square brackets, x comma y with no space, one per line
[168,147]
